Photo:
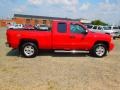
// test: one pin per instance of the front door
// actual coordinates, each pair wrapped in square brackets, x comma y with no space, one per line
[78,36]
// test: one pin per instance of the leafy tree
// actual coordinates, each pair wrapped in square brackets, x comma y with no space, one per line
[99,22]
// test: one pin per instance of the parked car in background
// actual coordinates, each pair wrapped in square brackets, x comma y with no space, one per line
[96,28]
[44,27]
[112,31]
[116,28]
[89,27]
[105,29]
[15,26]
[36,26]
[41,27]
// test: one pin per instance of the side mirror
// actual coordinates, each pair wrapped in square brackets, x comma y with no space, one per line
[86,32]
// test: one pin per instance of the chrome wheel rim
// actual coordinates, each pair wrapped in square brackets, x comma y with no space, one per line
[100,50]
[29,50]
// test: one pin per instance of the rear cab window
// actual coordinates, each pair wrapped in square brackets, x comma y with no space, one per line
[62,27]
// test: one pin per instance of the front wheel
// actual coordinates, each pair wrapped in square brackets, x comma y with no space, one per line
[99,50]
[29,50]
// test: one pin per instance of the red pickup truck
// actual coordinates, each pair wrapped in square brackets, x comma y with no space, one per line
[63,35]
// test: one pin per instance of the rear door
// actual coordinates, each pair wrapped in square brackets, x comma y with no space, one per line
[60,35]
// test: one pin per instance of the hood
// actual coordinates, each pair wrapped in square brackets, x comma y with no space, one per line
[101,36]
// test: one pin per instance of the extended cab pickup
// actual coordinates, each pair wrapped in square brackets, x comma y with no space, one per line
[63,35]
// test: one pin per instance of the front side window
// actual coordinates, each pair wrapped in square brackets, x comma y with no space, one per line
[62,27]
[75,28]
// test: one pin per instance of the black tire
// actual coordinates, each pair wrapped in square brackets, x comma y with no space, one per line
[29,50]
[96,53]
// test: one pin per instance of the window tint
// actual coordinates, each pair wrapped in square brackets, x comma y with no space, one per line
[74,28]
[62,27]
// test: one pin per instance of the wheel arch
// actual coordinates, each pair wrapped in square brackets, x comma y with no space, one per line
[102,42]
[22,41]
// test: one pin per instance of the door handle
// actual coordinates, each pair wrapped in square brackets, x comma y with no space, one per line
[72,36]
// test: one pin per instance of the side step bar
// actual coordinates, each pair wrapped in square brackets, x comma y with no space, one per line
[71,51]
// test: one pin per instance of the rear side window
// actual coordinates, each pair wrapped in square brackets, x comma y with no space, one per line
[62,27]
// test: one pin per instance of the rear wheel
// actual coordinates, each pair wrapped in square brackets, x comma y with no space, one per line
[99,50]
[29,50]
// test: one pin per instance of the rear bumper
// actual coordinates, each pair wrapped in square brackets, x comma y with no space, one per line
[7,44]
[11,45]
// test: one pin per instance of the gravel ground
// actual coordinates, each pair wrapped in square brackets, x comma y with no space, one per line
[51,71]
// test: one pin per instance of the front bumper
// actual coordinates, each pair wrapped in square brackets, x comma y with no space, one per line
[111,47]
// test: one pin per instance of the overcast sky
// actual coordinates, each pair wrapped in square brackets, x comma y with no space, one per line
[106,10]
